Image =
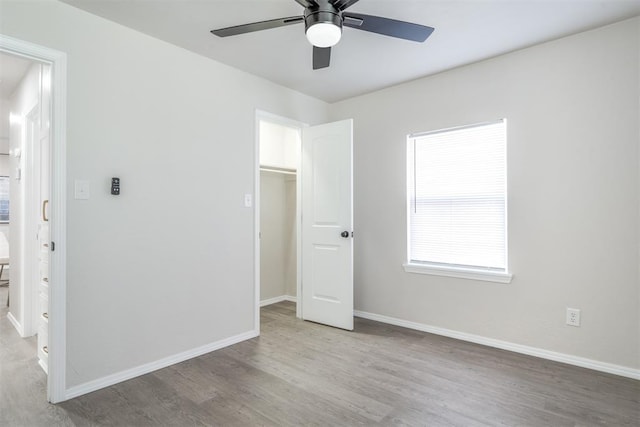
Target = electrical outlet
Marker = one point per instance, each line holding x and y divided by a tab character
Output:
573	317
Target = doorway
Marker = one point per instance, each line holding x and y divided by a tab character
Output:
37	169
278	210
320	158
27	118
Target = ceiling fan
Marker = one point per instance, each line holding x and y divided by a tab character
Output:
323	21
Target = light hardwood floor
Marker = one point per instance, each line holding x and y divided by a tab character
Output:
300	373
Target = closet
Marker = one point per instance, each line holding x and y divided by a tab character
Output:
279	159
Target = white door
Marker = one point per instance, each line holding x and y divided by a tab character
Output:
327	224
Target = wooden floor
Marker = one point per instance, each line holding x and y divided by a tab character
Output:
300	373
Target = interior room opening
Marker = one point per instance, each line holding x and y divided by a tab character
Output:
25	138
279	151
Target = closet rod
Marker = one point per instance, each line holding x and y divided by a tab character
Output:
278	170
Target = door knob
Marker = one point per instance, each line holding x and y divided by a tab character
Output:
345	234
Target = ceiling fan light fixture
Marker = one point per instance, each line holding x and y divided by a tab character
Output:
323	28
324	34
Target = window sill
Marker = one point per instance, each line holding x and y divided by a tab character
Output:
461	273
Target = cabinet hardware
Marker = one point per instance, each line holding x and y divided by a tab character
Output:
44	210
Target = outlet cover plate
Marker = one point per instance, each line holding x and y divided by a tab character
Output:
573	317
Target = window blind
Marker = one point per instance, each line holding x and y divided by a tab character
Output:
457	197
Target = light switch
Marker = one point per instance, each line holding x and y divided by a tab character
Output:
81	190
248	200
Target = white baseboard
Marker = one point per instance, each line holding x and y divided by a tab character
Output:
44	366
505	345
277	300
16	324
128	374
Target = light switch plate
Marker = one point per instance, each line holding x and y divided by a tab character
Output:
82	189
248	200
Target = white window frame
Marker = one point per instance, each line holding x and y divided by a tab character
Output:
463	272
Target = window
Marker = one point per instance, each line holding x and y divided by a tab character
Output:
4	199
457	210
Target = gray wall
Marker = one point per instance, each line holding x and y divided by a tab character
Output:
290	235
573	196
278	230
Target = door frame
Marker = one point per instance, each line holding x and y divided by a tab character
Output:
284	121
56	379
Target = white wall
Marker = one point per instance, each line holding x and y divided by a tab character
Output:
165	267
4	164
572	110
5	110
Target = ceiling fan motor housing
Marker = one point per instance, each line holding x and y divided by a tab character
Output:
325	13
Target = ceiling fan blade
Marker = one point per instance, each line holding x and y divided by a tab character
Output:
257	26
388	27
321	57
342	4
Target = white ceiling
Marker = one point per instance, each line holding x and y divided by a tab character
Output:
466	31
12	69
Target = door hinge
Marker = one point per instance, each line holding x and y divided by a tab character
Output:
53	246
